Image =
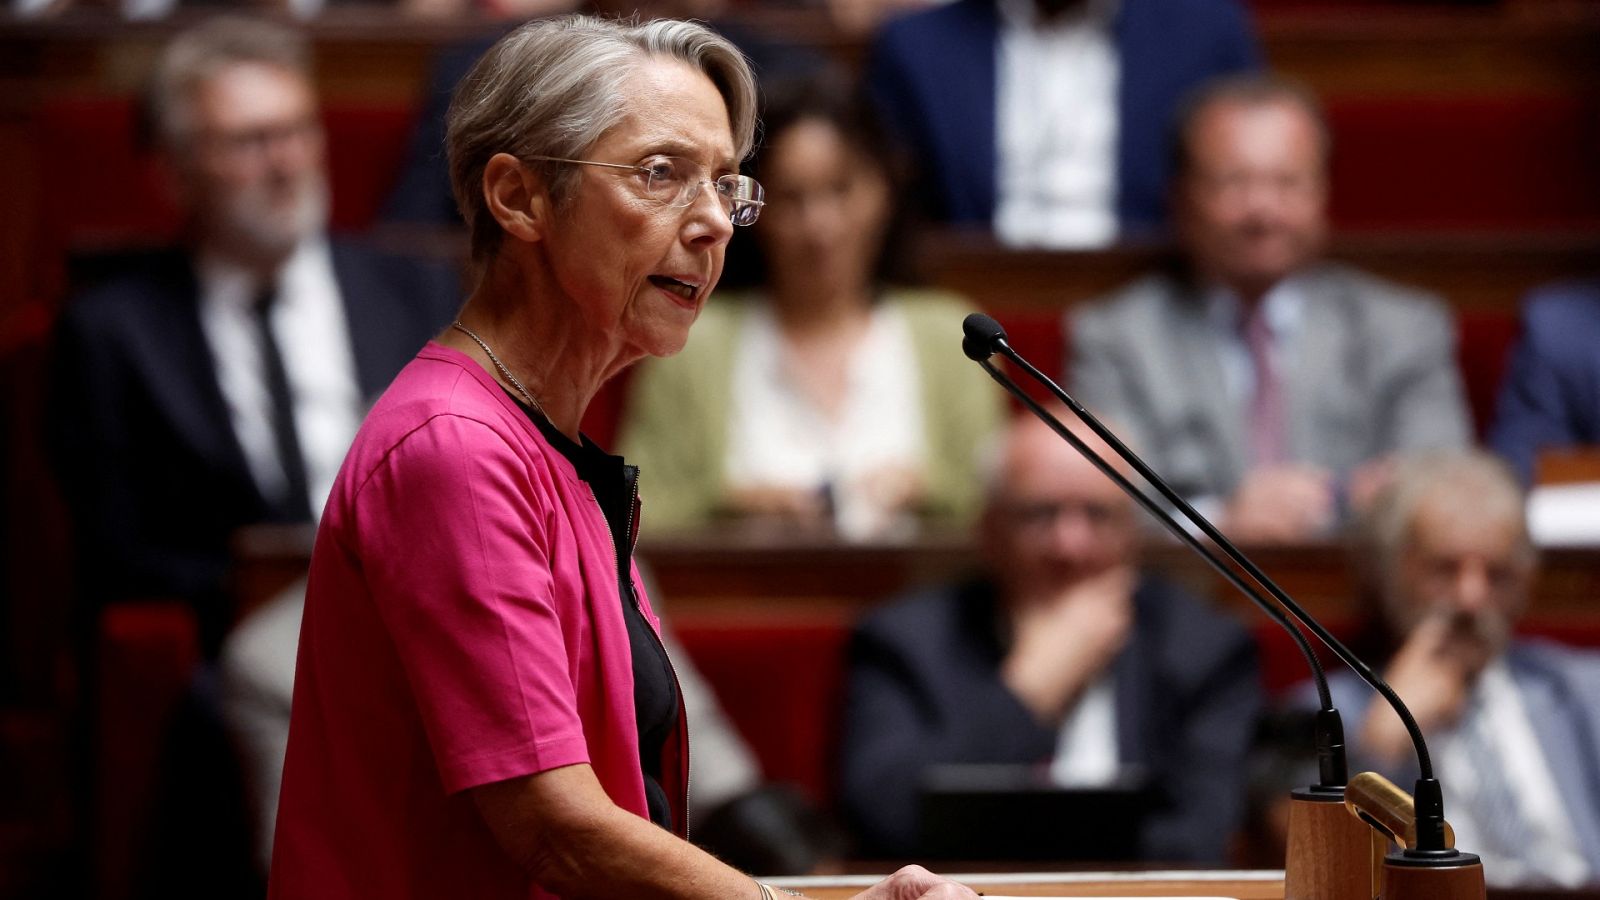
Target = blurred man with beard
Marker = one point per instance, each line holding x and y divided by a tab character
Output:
1513	724
218	385
1270	386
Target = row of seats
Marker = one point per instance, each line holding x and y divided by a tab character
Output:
1412	164
779	678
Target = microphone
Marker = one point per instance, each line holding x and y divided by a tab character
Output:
983	337
1431	844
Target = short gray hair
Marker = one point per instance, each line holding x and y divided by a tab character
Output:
1480	484
205	50
553	87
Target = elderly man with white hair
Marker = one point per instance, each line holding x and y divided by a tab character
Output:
1511	722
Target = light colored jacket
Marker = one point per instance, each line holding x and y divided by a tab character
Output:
676	423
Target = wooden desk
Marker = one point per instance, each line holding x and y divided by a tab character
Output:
746	573
750	573
1471	271
1252	885
1243	885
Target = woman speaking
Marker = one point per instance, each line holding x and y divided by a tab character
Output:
482	706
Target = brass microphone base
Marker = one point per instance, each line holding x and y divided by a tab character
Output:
1328	848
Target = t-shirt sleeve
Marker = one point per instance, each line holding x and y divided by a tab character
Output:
457	545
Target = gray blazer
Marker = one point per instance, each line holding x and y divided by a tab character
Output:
1561	692
1374	372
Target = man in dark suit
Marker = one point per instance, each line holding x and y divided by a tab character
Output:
218	385
1061	654
1551	396
1049	118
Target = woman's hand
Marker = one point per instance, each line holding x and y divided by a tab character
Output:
916	883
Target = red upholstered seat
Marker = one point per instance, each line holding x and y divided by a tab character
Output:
1468	162
366	149
1483	350
147	654
1039	336
781	683
104	190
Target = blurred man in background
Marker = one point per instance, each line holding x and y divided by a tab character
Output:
218	384
1270	386
1047	119
1551	396
1062	654
1513	723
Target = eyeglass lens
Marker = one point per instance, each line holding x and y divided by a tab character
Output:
677	181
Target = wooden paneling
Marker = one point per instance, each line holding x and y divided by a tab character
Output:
1442	51
751	575
1471	271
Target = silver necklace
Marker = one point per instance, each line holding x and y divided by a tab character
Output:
501	366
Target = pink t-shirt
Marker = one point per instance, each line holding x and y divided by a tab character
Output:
462	627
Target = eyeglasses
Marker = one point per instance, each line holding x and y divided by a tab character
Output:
255	142
1039	517
675	182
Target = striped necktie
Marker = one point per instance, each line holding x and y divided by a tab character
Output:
1494	805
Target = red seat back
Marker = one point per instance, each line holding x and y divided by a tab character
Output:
106	190
1039	336
1473	162
1484	338
781	683
147	656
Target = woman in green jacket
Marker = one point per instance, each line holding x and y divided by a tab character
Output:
825	396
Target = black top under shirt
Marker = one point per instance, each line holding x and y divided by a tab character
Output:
655	687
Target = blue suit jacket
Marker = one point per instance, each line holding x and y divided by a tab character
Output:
1561	691
933	76
1551	395
924	688
141	437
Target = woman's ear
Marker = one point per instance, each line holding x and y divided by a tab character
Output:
516	197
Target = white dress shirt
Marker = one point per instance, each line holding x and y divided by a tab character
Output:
1086	746
780	438
313	335
1056	122
1284	308
1549	854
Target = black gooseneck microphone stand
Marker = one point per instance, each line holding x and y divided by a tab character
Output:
1427	844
